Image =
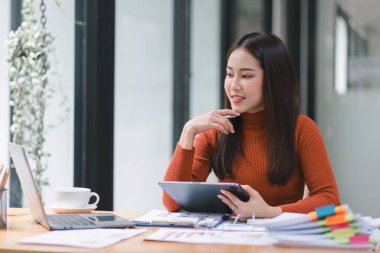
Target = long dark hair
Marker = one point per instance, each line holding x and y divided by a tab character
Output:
281	98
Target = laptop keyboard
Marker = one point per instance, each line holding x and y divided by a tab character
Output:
68	220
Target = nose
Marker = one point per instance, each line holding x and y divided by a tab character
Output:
235	83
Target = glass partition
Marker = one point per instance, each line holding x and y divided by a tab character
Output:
59	114
348	119
5	17
58	119
143	102
205	56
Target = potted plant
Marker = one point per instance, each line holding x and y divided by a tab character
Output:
28	50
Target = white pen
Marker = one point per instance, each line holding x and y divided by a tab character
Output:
229	116
236	219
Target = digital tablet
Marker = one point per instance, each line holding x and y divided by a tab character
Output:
202	196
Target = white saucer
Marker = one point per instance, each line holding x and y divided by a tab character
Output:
62	210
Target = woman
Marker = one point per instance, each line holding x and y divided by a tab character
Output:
260	140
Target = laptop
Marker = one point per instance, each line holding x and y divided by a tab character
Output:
202	196
57	221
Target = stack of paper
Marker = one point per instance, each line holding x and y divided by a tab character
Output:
328	226
161	218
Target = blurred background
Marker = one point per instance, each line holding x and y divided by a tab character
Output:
134	71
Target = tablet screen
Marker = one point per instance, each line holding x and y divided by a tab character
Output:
202	196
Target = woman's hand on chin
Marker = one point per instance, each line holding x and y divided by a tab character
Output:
216	119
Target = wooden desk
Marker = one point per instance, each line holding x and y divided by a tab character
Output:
21	225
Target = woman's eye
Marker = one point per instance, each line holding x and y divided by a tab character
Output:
246	76
229	75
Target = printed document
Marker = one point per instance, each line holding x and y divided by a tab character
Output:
86	238
239	226
210	237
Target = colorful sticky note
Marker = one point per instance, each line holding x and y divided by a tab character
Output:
343	233
329	210
359	239
340	226
324	211
338	219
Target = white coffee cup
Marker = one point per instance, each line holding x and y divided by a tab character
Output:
74	197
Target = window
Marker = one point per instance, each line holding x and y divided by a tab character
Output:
143	101
59	138
341	55
4	81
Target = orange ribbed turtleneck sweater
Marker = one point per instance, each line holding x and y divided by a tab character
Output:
250	166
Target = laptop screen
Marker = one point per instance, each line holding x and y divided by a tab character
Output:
28	185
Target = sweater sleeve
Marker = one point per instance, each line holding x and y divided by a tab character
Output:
190	165
315	165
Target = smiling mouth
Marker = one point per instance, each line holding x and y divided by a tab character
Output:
237	99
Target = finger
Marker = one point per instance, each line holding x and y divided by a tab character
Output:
219	127
251	192
218	123
235	200
224	115
227	201
231	126
227	125
225	112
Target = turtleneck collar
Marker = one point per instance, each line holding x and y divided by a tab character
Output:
256	119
